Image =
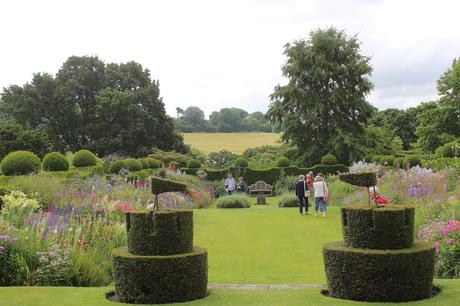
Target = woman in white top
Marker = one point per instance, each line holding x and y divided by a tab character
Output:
320	187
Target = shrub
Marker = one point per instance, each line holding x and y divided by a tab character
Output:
84	158
241	162
234	201
13	267
450	149
193	164
144	162
20	163
153	163
365	179
329	159
160	185
377	159
413	160
117	165
133	164
283	162
388	160
55	161
368	158
288	199
399	161
285	184
221	159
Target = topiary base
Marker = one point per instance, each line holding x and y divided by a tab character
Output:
379	275
160	279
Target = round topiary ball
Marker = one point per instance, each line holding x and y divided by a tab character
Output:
387	160
20	163
193	164
283	162
84	158
153	163
329	159
241	162
133	164
116	166
413	160
55	161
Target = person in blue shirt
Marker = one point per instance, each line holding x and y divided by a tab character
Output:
230	184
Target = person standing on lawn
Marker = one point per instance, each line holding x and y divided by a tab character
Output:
321	194
300	192
230	184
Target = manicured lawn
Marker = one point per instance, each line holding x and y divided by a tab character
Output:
233	142
64	296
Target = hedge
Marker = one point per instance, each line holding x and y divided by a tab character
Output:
20	163
366	179
389	227
133	164
379	275
413	160
329	159
241	162
144	162
283	162
160	279
153	163
399	161
194	164
84	158
160	185
160	233
117	165
388	159
55	161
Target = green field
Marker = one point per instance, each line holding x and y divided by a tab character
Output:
233	142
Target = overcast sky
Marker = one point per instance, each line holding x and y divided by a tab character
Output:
216	54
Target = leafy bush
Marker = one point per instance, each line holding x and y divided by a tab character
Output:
20	163
413	160
368	158
117	165
13	267
221	159
55	161
285	184
170	157
288	199
84	158
193	164
144	162
283	162
329	159
153	163
233	201
133	164
399	161
241	162
387	160
377	159
442	163
450	149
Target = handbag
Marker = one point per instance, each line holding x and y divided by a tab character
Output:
326	196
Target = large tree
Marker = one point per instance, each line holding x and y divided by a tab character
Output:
323	108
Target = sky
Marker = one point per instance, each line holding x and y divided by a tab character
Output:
215	54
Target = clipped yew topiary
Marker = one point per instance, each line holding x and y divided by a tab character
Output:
55	161
153	163
116	166
84	158
160	185
413	160
133	164
20	163
387	160
366	179
144	162
193	164
283	162
241	162
329	159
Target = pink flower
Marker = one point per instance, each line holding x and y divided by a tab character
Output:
437	245
449	240
444	230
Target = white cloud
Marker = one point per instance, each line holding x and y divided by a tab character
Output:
216	54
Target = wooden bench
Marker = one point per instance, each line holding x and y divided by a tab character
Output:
260	187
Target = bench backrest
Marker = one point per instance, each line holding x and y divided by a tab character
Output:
260	185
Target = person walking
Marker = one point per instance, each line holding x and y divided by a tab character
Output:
321	194
230	184
300	192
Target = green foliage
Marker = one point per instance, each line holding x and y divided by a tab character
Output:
379	275
84	158
87	272
399	161
329	56
153	163
387	160
283	162
368	158
145	164
133	164
288	199
266	156
377	159
234	201
20	163
160	279
117	165
170	157
194	164
285	184
221	159
442	163
450	149
329	159
13	266
241	162
55	161
366	179
413	160
160	185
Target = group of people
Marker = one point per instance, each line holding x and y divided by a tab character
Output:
231	186
306	187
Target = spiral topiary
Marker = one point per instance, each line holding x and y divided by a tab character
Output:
283	162
241	162
55	161
193	164
133	164
329	159
84	158
20	163
116	166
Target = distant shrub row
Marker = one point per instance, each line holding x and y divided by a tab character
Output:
132	164
391	161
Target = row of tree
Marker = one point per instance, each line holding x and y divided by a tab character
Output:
227	120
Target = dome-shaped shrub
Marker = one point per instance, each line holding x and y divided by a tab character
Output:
144	162
329	159
368	158
376	159
387	160
193	164
116	166
399	161
133	164
153	163
413	160
283	162
55	161
84	158
20	163
241	162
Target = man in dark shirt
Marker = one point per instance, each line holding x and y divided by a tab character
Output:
300	192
